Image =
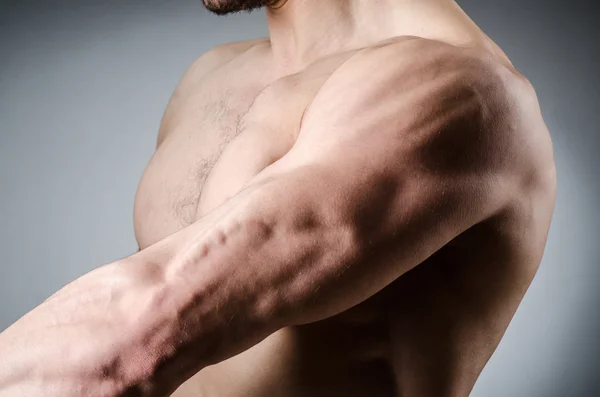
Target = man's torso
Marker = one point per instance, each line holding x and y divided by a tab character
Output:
427	334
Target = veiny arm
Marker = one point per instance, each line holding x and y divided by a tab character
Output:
396	156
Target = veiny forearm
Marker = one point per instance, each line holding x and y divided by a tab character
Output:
275	255
148	322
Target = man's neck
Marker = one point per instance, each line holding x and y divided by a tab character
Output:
302	31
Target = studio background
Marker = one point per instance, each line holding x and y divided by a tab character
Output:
83	85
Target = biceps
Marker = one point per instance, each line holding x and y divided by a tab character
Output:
339	237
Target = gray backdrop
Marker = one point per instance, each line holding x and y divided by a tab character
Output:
82	88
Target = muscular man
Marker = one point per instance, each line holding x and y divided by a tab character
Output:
352	207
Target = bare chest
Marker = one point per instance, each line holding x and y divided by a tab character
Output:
216	139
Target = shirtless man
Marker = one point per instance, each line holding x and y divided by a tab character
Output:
352	207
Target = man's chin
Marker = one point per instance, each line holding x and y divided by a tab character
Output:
224	7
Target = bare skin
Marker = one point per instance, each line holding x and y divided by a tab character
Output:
322	217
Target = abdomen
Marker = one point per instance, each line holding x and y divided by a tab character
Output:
346	355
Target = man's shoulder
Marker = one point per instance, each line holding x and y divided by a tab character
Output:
221	54
489	113
429	75
422	49
198	71
461	108
214	58
225	52
428	59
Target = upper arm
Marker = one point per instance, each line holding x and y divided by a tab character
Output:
407	152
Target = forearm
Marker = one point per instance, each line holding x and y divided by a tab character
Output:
272	256
152	320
